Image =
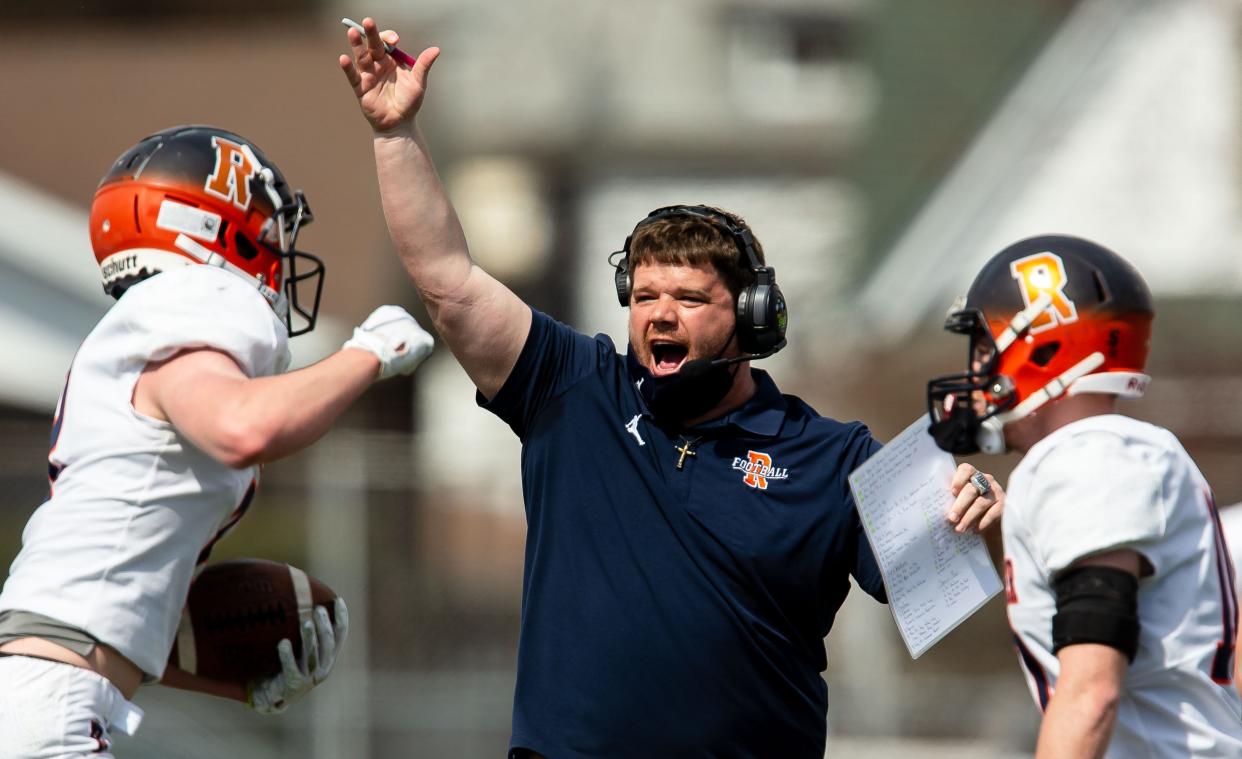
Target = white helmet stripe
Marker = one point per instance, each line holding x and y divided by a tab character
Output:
277	219
1121	384
1021	320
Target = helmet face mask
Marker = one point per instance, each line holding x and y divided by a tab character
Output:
197	194
1046	317
300	267
954	400
281	229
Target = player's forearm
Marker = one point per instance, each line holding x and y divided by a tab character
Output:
283	414
1077	724
421	220
182	680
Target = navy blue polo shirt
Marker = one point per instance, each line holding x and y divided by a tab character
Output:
675	612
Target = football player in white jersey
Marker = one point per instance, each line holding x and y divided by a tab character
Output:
171	405
1119	583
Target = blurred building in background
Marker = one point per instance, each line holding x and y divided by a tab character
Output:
880	149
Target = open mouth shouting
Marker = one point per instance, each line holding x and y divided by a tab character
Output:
667	357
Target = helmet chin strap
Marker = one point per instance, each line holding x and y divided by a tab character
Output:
991	434
205	255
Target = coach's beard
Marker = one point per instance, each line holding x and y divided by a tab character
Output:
674	398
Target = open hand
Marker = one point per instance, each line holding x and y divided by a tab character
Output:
388	93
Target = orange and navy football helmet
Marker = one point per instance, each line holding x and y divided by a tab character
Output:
197	194
1047	316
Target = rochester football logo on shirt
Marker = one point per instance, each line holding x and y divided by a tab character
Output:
758	469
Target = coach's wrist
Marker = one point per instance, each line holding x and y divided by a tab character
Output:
404	131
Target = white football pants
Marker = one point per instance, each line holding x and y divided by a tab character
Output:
50	710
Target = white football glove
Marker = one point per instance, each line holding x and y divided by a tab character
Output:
321	642
395	338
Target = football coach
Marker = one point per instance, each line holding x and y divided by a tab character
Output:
690	529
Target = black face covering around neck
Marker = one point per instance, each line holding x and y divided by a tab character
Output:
674	398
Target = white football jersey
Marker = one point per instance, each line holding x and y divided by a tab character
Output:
1109	482
133	504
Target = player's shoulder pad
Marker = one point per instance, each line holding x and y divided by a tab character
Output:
202	306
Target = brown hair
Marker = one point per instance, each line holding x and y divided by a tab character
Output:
694	241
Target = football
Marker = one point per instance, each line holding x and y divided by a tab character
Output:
236	613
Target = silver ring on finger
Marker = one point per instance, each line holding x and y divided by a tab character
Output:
980	481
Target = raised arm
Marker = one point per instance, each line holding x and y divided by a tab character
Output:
483	323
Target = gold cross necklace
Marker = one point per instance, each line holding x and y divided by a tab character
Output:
685	450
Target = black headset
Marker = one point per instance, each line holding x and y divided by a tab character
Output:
761	313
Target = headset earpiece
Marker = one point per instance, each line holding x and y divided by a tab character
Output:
761	314
621	274
621	278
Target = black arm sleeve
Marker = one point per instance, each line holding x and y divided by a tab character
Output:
1097	605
